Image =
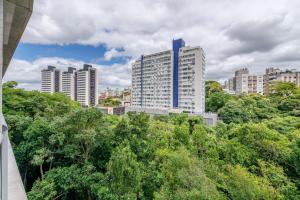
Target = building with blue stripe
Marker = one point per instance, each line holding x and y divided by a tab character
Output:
172	79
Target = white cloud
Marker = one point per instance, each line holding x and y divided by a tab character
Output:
113	53
28	74
233	33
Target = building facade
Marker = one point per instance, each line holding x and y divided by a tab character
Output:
255	84
87	86
229	86
274	74
152	80
191	80
170	79
244	82
113	110
80	85
241	80
210	118
51	80
68	83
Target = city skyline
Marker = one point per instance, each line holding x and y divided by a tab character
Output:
173	135
79	85
255	34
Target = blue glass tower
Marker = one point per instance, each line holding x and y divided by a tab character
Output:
177	44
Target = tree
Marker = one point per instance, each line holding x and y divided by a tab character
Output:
269	144
212	87
179	119
235	112
124	172
74	182
121	132
247	108
81	133
278	180
111	102
240	184
184	177
38	148
283	89
65	152
217	100
235	153
204	143
296	156
10	84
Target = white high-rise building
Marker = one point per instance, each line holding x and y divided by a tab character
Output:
51	80
68	83
152	81
172	79
191	79
81	85
87	86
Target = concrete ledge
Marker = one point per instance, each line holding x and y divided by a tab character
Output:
210	118
16	16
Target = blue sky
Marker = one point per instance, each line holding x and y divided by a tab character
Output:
85	53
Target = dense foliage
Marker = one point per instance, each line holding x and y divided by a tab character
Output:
65	152
110	101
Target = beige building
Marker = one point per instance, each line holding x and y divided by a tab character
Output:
244	82
275	74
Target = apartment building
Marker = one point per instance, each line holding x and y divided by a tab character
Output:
244	82
229	86
191	80
241	80
68	83
170	79
275	74
80	85
152	80
87	86
51	80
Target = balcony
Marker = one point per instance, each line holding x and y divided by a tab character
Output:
14	16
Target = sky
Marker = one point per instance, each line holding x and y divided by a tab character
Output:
111	34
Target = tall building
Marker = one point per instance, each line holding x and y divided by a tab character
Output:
68	83
51	80
229	86
170	79
244	82
81	85
87	86
191	80
241	80
275	74
255	84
